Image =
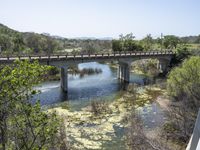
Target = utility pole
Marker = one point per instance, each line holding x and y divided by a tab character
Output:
161	41
0	49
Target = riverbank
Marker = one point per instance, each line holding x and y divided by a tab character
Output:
107	130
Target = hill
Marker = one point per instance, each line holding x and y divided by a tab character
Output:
12	41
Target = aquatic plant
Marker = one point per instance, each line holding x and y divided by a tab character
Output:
89	71
99	107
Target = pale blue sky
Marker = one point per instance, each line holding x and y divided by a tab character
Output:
102	18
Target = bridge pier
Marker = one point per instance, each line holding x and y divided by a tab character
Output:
163	65
64	79
124	72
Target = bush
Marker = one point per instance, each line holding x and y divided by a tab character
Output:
99	107
183	85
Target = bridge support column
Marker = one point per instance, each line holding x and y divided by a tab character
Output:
64	79
163	66
123	72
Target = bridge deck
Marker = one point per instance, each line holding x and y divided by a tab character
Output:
4	59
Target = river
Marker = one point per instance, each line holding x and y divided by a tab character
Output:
81	90
102	86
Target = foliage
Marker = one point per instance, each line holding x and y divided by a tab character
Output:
53	70
186	80
198	39
116	45
147	42
24	125
170	41
126	43
182	53
147	67
99	107
14	42
183	85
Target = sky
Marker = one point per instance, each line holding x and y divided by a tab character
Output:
102	18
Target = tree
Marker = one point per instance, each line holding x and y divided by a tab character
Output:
18	43
116	45
147	42
182	53
171	41
6	43
198	39
37	43
186	80
23	125
183	85
126	43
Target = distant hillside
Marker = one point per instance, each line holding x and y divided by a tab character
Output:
12	41
191	39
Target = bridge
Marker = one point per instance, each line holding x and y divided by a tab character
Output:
124	60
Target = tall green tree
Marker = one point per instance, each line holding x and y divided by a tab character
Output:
116	45
23	125
183	85
126	43
186	80
171	41
147	42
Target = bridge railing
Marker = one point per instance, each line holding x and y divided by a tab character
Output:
69	55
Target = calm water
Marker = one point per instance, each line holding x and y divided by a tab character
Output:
103	86
81	90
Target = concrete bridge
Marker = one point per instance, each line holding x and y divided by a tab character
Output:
124	60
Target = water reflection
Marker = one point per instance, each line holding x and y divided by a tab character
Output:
83	89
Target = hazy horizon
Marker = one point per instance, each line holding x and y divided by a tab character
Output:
99	19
